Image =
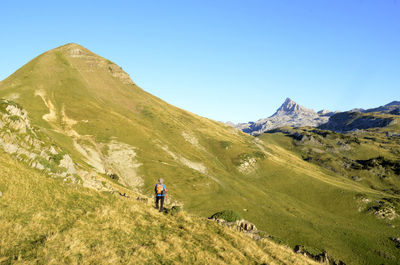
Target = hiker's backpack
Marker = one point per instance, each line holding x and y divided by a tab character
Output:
160	189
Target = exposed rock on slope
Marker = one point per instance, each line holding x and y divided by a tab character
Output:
29	145
19	138
121	159
94	61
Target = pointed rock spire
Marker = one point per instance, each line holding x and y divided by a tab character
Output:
289	107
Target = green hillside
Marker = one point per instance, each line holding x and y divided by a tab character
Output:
370	157
44	221
87	107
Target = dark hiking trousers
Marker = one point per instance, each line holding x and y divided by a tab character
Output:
161	199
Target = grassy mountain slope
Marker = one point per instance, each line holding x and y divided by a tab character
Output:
370	157
43	220
83	92
91	110
338	154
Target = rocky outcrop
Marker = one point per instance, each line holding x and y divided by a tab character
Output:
322	256
385	208
251	230
19	138
120	159
245	227
248	162
28	145
93	60
67	163
248	165
115	159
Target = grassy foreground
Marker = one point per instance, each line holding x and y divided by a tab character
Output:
45	221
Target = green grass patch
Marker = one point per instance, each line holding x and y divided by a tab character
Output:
227	215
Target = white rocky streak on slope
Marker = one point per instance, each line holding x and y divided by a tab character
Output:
121	160
193	165
190	138
67	124
52	150
186	162
18	138
90	180
52	115
91	155
68	163
12	96
85	145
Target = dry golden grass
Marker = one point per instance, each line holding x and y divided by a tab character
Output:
45	221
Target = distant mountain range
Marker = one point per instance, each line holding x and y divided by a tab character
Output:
294	115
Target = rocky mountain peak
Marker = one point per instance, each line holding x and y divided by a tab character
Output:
288	114
289	107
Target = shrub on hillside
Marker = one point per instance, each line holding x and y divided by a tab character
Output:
57	158
227	215
175	210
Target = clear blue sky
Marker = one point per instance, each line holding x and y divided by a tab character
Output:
226	60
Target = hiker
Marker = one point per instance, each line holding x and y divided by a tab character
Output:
160	190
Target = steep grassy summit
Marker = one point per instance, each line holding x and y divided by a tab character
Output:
88	109
75	95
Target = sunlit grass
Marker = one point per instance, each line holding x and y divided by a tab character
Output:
46	221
